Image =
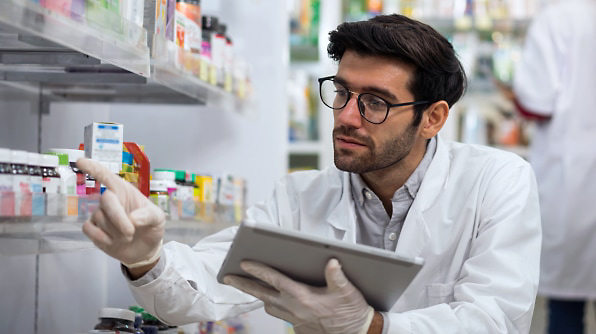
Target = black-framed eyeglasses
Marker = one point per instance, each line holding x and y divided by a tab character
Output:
372	108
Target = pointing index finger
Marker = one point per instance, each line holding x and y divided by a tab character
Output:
100	173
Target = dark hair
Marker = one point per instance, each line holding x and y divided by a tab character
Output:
438	73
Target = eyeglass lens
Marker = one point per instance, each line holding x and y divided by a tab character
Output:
336	96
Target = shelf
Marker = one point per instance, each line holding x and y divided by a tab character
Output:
47	53
304	53
189	232
477	24
167	70
64	234
123	45
187	222
305	147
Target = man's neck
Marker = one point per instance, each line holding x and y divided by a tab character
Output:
385	182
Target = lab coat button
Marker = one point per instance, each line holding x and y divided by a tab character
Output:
392	236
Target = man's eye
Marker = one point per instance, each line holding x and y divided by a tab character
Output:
341	92
373	102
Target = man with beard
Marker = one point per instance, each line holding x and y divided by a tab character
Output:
470	212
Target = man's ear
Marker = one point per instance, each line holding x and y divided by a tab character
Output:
433	119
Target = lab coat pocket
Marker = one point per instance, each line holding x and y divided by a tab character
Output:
440	293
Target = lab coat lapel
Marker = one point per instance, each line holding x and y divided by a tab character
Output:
343	217
415	233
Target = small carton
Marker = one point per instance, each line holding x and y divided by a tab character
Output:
103	141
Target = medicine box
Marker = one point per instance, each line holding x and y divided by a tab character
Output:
103	141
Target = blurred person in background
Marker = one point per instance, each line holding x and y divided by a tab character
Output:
555	85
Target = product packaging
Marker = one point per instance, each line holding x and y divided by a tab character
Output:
167	179
105	14
51	185
114	320
208	26
58	6
159	22
225	197
6	194
206	197
218	49
127	172
159	195
188	207
73	176
77	9
35	184
103	141
239	198
20	183
228	66
90	201
239	80
133	11
68	184
188	34
170	20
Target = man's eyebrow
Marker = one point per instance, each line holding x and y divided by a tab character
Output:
370	89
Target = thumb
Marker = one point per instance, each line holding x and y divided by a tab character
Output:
147	216
334	276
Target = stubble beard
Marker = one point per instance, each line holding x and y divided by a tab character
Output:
389	153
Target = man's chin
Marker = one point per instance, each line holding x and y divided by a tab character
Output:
347	166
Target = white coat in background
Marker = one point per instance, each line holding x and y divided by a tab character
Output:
475	221
557	76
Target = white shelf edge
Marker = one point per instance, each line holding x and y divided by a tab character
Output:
124	47
63	234
467	23
305	147
165	70
109	46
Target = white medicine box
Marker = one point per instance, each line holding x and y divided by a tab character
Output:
103	141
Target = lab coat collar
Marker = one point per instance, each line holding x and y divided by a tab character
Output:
415	233
436	177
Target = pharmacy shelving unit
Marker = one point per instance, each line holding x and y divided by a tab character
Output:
467	24
42	235
61	58
63	234
478	40
305	147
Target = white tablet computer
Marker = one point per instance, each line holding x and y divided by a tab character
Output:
380	275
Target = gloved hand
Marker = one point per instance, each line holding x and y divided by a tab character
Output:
337	308
126	226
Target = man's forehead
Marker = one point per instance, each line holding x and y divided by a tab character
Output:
362	73
350	56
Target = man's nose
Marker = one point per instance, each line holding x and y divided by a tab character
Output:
350	115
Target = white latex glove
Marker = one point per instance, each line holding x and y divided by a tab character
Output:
126	226
337	308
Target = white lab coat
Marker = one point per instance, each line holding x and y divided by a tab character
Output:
557	76
475	221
